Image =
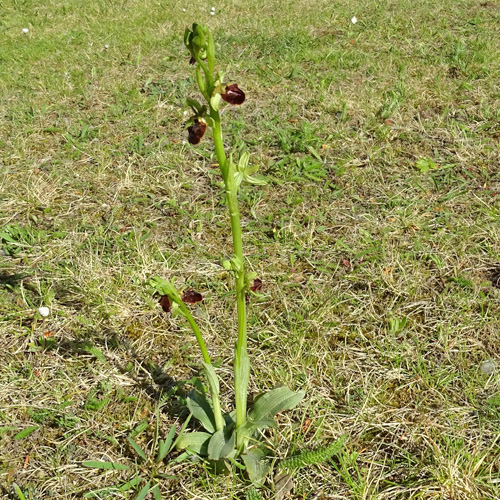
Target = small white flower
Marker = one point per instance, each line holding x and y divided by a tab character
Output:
212	9
212	13
183	10
106	46
354	20
44	311
26	30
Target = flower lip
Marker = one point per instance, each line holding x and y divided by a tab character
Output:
196	131
165	303
233	94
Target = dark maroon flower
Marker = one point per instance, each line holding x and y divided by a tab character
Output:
191	297
192	60
233	95
165	303
196	131
257	285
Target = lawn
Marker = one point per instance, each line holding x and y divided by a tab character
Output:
377	239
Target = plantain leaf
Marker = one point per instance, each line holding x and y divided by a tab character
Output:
256	464
201	409
196	442
250	426
221	445
269	404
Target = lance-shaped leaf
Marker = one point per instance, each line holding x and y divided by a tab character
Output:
165	445
269	404
202	410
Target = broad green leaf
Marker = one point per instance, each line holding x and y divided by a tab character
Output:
96	464
144	491
221	445
165	445
256	464
269	404
26	432
137	448
196	442
249	427
201	409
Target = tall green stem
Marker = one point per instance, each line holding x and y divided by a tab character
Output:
241	363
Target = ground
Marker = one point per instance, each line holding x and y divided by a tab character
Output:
377	240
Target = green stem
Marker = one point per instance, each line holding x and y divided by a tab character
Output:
219	419
241	364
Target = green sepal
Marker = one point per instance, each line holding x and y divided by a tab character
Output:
215	101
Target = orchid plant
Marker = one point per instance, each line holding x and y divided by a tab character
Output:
234	438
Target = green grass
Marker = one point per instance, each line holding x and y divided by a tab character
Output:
381	292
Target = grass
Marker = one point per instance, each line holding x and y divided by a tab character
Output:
381	292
